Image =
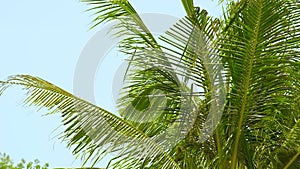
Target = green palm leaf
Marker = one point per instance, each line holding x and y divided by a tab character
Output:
90	129
256	48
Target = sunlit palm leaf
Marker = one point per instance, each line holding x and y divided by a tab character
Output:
90	130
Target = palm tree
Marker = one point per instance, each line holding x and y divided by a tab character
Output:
244	65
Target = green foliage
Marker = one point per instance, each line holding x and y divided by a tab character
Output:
7	163
249	57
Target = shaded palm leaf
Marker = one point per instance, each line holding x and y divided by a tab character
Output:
256	48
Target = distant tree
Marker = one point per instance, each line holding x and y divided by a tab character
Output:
7	163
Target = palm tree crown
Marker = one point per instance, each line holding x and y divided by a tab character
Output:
245	113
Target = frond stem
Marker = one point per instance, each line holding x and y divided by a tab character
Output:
246	89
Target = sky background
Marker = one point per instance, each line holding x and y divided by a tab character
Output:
45	39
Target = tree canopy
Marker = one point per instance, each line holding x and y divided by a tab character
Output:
245	114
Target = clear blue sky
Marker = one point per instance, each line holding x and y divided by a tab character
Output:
45	39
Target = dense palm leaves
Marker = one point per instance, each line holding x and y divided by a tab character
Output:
246	65
260	49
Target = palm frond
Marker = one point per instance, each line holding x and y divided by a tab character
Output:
130	28
92	131
256	47
130	24
288	155
194	61
190	8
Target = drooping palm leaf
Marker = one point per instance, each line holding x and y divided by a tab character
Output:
90	130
